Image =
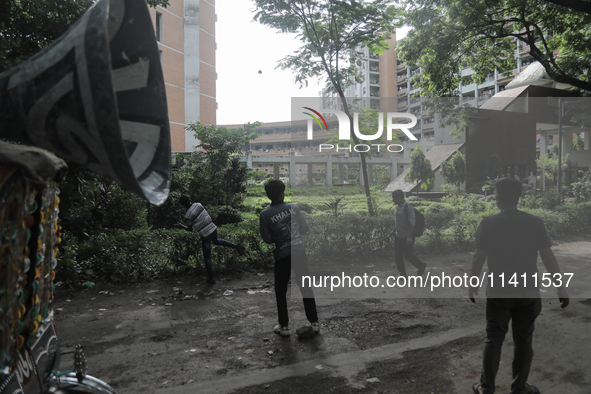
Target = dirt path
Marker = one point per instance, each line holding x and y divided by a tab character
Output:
177	336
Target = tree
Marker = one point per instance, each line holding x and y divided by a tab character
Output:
420	170
332	33
549	165
447	35
211	177
27	26
234	181
454	170
578	143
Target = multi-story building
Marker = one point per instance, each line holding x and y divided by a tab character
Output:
427	130
387	87
185	32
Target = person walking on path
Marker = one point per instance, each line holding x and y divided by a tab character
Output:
404	239
510	242
197	218
283	224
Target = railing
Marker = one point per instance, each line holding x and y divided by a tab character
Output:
296	134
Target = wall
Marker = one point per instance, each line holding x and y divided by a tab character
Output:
510	135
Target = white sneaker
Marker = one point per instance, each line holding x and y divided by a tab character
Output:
316	327
282	330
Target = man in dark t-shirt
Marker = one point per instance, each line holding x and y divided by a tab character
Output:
283	224
510	242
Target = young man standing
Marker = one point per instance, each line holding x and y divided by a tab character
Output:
197	218
404	240
283	224
511	240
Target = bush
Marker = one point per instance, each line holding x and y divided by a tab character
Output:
123	255
530	200
549	200
304	207
258	208
437	219
125	210
67	268
224	215
169	213
348	234
582	189
577	217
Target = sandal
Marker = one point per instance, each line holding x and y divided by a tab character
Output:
476	388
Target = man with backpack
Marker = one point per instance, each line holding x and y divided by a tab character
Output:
406	232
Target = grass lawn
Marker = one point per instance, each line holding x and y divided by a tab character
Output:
353	198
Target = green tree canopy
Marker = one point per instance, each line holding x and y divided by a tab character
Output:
27	26
214	173
447	35
332	33
454	170
420	170
549	165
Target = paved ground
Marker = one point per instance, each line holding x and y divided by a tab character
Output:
183	336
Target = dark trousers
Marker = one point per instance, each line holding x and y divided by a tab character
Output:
403	251
523	313
282	274
206	243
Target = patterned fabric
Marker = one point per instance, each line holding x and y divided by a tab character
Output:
29	235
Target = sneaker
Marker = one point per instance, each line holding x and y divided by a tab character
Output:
316	327
241	250
211	281
282	330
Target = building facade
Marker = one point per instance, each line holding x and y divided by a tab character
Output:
185	32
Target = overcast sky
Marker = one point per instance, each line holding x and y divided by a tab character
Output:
243	48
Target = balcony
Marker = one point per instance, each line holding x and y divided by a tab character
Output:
297	135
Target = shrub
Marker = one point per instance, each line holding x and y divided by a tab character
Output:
169	213
258	208
437	219
582	189
305	207
224	215
125	210
123	255
577	217
67	268
348	234
549	200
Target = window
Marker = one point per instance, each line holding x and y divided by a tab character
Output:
158	27
161	58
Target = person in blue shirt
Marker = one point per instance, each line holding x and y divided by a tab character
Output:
283	224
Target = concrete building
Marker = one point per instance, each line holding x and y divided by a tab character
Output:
185	32
527	73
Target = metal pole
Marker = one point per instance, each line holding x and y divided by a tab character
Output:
560	113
